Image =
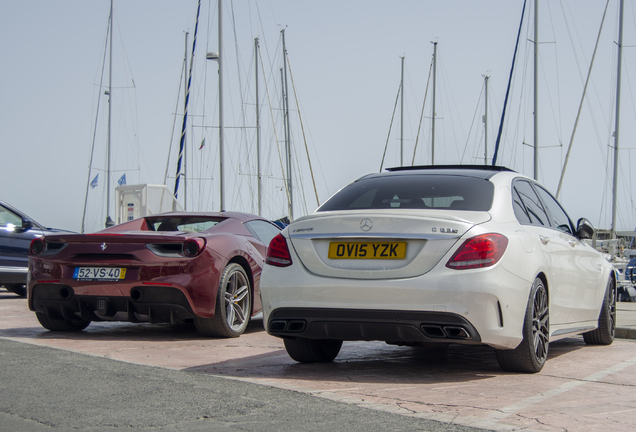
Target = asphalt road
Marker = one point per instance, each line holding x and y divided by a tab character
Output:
46	389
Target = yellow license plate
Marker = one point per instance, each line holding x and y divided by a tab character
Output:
367	250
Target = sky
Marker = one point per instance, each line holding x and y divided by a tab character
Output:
344	72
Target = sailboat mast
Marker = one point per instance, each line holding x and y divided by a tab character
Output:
536	89
287	134
258	129
109	221
486	119
433	113
184	173
617	120
221	131
402	115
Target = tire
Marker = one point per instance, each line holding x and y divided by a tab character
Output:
19	289
54	324
532	352
233	305
305	350
604	334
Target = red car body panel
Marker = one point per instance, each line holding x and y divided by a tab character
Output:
169	288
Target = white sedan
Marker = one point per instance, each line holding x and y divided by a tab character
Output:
439	254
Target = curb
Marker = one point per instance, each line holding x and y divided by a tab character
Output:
625	333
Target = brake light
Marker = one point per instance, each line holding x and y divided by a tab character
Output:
278	253
193	247
477	252
38	245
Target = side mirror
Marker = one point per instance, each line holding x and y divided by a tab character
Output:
585	229
26	225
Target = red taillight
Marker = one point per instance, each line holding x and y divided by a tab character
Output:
193	247
37	246
278	253
477	252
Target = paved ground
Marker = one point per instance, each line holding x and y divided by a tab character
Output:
581	388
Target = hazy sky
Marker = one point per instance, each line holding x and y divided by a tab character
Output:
345	64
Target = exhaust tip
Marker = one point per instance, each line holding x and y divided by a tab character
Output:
296	326
433	331
136	294
66	293
456	332
277	326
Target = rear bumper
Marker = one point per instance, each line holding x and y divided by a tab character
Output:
144	304
393	326
488	304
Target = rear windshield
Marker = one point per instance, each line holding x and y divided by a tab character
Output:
415	191
184	224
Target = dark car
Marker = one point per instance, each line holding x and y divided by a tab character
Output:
174	267
17	230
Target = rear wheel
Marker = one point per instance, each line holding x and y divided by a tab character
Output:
305	350
54	324
604	334
532	352
19	289
233	305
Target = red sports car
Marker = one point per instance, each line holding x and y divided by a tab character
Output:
171	267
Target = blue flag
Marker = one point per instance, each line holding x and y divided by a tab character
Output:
94	182
122	180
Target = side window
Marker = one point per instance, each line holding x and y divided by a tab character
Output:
531	204
8	217
560	219
520	211
262	230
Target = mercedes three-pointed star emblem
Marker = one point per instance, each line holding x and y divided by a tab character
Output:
366	224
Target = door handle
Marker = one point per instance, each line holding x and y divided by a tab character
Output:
544	240
572	243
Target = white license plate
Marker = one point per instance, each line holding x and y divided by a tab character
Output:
99	273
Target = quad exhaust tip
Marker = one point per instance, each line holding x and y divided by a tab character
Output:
287	326
445	332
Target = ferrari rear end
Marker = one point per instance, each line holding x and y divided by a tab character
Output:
157	277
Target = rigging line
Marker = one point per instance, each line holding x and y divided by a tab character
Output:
397	98
473	122
271	111
519	126
627	195
133	118
203	161
578	115
185	112
298	171
242	108
554	117
419	127
494	158
559	124
99	93
302	128
449	90
594	123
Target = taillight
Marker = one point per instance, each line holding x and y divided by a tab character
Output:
193	247
278	253
477	252
38	246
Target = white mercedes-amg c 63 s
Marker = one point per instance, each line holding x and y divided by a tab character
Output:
438	254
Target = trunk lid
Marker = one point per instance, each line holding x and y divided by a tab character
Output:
381	244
